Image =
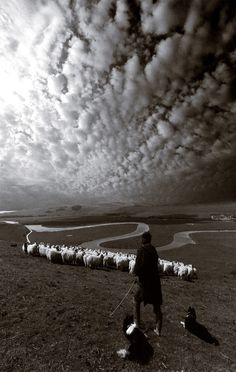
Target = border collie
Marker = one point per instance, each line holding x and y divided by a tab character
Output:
190	319
139	349
199	330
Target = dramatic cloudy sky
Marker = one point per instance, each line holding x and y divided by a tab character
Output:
129	100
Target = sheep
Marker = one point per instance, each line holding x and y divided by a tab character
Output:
176	267
85	256
43	249
192	273
160	266
183	272
89	252
68	256
54	256
94	261
24	247
168	268
33	249
97	258
109	260
131	266
77	249
122	262
79	258
57	248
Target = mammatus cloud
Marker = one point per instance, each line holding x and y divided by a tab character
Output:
124	100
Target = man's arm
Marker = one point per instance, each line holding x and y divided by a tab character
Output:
139	262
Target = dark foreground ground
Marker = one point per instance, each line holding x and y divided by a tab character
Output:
56	318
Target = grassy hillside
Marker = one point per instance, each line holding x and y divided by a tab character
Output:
56	317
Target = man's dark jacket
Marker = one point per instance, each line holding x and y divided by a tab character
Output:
146	268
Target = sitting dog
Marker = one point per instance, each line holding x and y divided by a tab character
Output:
139	349
190	319
199	330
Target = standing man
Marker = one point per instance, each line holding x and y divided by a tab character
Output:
148	285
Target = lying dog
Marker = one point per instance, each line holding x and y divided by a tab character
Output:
139	349
199	330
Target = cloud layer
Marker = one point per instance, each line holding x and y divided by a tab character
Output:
117	100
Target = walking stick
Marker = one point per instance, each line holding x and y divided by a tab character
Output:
113	312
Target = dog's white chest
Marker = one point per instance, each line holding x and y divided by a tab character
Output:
131	329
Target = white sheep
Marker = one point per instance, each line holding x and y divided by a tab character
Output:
192	273
79	258
85	256
168	268
176	267
56	247
160	266
77	248
33	249
97	258
131	266
24	247
54	256
68	256
94	261
43	249
122	262
109	260
183	272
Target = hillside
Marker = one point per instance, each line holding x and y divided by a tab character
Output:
56	317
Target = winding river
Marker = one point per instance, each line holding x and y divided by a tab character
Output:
140	229
179	240
182	238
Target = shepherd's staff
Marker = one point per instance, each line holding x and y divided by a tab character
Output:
113	312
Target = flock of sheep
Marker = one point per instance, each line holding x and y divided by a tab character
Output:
95	259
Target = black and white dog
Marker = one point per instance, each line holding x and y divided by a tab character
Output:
190	319
199	330
139	349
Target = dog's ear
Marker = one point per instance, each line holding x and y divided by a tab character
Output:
194	313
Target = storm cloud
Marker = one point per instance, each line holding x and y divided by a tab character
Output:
117	100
